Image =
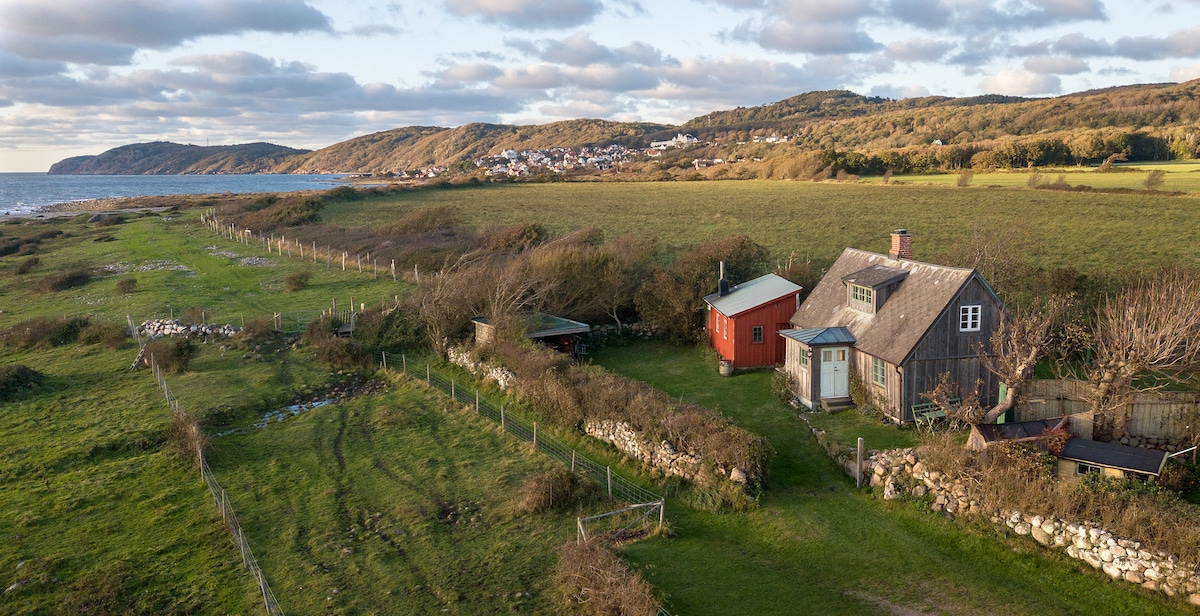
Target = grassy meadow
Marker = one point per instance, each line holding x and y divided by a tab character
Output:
1181	176
817	545
1089	231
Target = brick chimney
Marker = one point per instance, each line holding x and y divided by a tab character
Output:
901	245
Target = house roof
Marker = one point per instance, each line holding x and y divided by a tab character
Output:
1023	430
875	276
1114	455
820	335
751	294
892	332
538	325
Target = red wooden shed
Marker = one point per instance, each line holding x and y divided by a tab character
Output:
744	321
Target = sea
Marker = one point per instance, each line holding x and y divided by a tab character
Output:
24	194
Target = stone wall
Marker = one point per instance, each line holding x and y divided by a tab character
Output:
466	359
662	456
900	471
158	328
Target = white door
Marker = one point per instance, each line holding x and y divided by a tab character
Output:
835	372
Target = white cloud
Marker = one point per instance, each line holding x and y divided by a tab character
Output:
1020	83
1055	65
50	29
528	14
918	50
1185	73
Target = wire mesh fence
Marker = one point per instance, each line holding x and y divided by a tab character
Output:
614	486
222	501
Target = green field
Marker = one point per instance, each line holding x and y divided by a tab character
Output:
819	546
1092	232
1180	176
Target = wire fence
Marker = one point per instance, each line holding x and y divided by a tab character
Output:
612	485
222	501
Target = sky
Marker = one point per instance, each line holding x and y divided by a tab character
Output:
82	76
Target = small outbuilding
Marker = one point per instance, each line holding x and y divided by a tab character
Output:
561	334
744	321
1080	457
986	435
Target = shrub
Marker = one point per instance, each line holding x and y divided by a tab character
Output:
592	576
111	335
333	351
27	265
255	331
109	220
965	176
425	221
343	193
393	331
297	281
171	354
197	315
16	380
42	332
556	489
125	286
63	281
27	249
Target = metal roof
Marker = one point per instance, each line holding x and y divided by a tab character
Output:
1114	455
820	335
909	312
751	294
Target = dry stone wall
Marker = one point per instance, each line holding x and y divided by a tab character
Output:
900	471
158	328
662	456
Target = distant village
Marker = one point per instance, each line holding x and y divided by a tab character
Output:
514	163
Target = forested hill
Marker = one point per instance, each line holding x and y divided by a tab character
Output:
844	120
1143	121
421	146
165	158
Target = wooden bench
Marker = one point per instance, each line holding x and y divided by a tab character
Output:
926	413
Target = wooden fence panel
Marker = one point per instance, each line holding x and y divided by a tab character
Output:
1155	414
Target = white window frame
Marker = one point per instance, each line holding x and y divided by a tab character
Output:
970	318
1082	468
862	295
726	330
804	357
878	372
757	334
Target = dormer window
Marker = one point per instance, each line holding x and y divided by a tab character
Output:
862	297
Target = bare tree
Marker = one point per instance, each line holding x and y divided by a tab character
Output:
1017	345
1151	327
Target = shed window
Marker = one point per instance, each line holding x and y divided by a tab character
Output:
968	318
1083	469
726	331
878	372
862	295
756	334
804	357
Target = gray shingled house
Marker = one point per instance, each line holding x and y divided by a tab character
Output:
901	323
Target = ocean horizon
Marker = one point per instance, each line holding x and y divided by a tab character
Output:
25	194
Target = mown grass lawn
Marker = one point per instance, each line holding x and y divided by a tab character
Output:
816	545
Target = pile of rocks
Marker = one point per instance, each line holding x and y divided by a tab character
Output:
1160	443
157	328
662	456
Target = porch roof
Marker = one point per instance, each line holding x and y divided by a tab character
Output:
820	335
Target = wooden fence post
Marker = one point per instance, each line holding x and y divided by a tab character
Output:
535	435
427	380
572	460
502	417
858	469
404	363
384	360
608	472
476	400
393	270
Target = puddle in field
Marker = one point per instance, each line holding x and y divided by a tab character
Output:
277	416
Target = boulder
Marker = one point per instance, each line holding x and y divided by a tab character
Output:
1112	570
889	490
739	476
1041	536
1022	528
1134	577
1091	558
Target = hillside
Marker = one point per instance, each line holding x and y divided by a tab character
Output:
823	120
165	158
419	146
